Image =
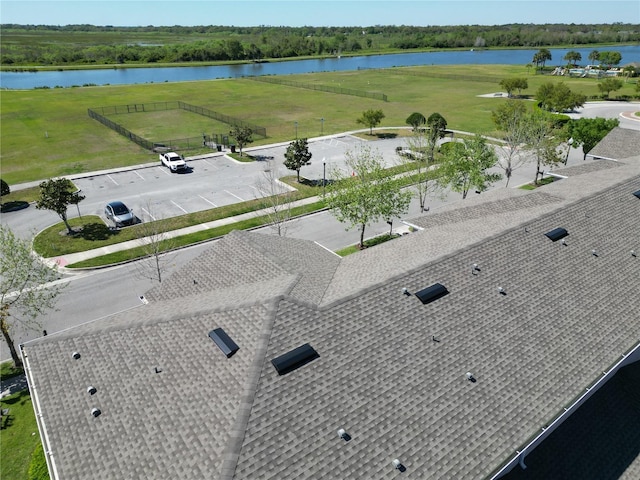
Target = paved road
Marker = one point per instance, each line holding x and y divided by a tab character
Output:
92	295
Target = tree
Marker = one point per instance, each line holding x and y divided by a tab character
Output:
365	193
572	57
276	198
297	155
509	118
541	57
594	56
543	140
26	288
610	58
557	97
425	183
437	126
629	71
56	195
242	135
4	188
371	118
516	83
609	85
416	120
465	166
587	132
155	241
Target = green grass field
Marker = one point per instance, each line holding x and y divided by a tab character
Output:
19	439
47	132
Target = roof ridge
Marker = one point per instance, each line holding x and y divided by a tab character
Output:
564	204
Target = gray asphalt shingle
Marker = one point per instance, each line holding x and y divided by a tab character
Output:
567	315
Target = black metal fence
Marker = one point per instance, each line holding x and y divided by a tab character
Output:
321	88
143	142
257	130
100	114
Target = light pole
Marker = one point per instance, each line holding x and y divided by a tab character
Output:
569	143
324	175
321	126
296	124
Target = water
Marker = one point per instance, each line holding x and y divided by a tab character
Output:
124	76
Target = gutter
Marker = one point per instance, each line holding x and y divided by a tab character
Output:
632	356
42	429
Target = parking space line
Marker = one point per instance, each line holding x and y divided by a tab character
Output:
164	171
148	214
208	163
139	175
208	201
110	178
233	195
179	206
260	191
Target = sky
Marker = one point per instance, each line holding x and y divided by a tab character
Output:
296	13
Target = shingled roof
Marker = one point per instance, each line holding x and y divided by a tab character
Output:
620	144
391	370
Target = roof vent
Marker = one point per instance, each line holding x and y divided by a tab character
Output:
470	377
475	269
502	291
432	293
556	234
594	252
224	342
294	359
397	464
637	193
95	412
633	253
91	390
75	355
406	292
344	435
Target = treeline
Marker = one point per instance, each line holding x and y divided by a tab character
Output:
24	45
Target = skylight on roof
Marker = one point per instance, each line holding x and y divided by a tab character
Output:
224	342
432	293
556	234
294	359
637	193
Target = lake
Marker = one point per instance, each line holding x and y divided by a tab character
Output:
123	76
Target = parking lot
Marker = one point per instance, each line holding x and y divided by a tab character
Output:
153	192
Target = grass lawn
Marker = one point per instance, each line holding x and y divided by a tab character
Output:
18	441
372	242
8	370
47	132
533	186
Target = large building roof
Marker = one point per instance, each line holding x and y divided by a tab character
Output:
390	370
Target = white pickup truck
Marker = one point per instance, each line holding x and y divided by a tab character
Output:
173	162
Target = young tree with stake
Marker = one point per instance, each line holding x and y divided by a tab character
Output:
297	155
56	195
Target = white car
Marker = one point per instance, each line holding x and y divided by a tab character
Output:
173	162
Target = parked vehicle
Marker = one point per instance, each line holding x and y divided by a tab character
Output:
173	161
119	214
